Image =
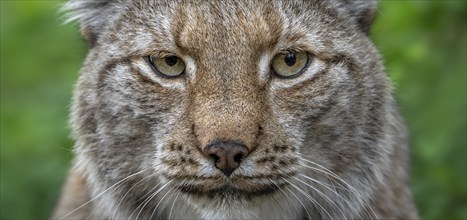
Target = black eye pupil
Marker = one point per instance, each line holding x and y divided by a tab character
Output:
172	60
290	59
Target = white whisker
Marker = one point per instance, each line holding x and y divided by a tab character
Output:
102	193
309	197
351	189
173	203
149	199
128	191
158	203
322	194
306	210
337	194
282	191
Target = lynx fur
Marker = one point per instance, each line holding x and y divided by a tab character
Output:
326	144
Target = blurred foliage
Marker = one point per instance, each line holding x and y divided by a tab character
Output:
424	48
423	44
40	60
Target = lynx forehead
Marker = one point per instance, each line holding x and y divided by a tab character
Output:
234	110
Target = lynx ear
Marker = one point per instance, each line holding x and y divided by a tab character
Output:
93	15
361	11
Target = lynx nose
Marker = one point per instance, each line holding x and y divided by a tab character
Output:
227	155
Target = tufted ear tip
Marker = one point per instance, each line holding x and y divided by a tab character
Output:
365	15
89	35
361	12
93	16
364	12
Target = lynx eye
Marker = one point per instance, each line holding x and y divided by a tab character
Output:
170	66
290	64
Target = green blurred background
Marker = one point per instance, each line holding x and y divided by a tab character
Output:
424	48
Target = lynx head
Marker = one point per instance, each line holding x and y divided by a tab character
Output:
231	109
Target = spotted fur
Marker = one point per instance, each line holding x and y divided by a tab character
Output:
328	144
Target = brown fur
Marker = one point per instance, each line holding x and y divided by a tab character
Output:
326	144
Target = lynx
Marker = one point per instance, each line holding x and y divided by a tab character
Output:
234	110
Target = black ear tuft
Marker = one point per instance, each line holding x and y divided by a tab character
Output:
93	15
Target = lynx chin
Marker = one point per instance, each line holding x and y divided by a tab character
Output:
234	110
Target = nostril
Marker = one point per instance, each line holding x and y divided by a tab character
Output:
214	157
226	155
238	157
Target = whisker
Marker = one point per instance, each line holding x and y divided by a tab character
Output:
337	194
329	185
146	196
121	200
144	203
306	210
113	190
158	203
322	194
326	171
329	175
282	191
309	197
102	193
176	197
342	187
352	190
149	199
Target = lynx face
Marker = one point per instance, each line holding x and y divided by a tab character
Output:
238	109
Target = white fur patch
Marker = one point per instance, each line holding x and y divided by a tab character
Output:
264	67
190	67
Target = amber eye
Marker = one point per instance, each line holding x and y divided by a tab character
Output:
170	66
290	64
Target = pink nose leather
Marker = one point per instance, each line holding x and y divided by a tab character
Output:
227	155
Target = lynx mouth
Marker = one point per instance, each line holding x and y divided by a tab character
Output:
230	191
